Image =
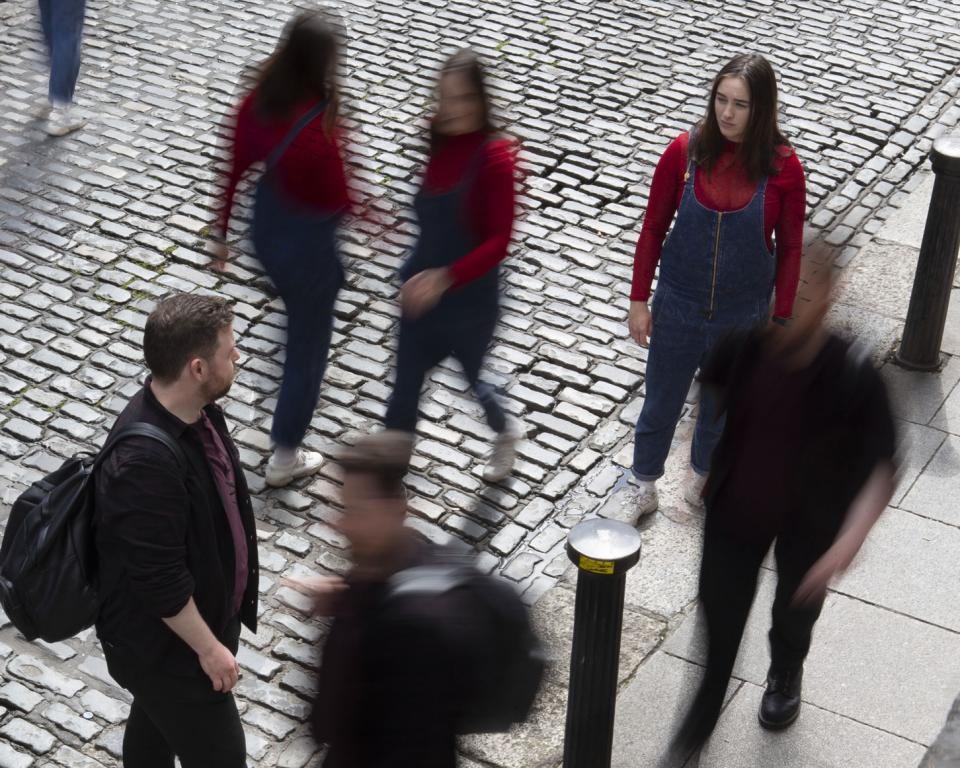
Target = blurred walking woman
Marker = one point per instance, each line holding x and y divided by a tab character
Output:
449	297
738	192
289	122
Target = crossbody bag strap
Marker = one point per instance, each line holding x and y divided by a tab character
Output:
292	134
474	166
691	141
143	429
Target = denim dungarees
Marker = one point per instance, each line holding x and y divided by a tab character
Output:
716	275
298	249
462	323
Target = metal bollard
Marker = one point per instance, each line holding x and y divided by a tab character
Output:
603	551
927	315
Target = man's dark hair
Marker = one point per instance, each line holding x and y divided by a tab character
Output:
181	327
383	457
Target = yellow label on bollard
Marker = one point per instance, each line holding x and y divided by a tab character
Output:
596	566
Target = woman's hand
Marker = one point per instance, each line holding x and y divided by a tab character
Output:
421	292
322	589
219	254
640	323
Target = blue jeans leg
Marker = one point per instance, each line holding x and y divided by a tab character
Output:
675	353
419	349
470	350
707	432
62	23
309	328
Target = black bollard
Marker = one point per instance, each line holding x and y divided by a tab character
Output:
603	551
927	315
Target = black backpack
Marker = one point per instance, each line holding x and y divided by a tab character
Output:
48	584
501	664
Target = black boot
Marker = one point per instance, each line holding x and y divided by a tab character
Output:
781	703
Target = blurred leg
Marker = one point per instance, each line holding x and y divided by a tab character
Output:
65	23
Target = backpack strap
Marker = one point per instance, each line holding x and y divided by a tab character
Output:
474	167
143	429
426	580
292	134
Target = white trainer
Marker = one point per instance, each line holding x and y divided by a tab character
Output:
306	463
63	119
693	489
501	460
641	497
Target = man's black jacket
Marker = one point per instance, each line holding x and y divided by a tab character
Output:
163	537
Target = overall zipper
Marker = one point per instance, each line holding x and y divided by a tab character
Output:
716	260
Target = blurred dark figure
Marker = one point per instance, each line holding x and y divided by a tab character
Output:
62	24
423	646
289	121
807	460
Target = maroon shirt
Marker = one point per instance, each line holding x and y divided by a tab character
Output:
222	469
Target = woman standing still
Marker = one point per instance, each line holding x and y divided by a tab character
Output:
737	188
450	294
289	121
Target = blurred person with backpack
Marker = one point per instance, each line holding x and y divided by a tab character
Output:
450	293
423	646
806	465
289	122
177	547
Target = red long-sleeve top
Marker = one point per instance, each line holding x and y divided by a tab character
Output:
490	201
310	170
726	188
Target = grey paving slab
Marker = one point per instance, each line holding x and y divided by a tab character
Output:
917	446
665	581
866	662
951	331
909	564
916	396
906	225
936	492
880	668
650	708
538	743
878	331
819	739
948	417
880	279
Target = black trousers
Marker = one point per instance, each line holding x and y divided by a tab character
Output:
728	584
182	717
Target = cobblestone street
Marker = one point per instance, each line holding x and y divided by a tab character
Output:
94	226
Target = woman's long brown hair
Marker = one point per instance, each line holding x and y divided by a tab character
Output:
303	67
758	150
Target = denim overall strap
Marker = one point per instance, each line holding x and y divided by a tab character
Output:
292	134
717	263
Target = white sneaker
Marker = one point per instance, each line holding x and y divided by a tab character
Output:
63	120
500	463
693	489
42	110
640	497
306	463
